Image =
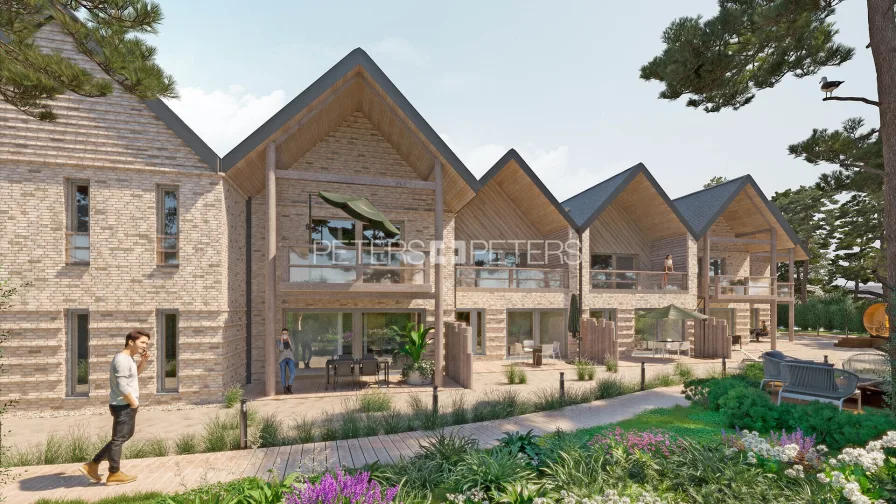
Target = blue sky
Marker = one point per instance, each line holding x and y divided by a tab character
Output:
558	82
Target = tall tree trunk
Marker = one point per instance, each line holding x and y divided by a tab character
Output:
804	286
882	33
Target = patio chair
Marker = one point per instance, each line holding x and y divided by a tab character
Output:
547	350
870	366
342	368
370	367
684	346
771	366
516	350
345	357
555	350
528	345
815	382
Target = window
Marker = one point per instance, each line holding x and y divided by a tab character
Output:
476	320
169	366
77	237
79	353
608	262
625	264
716	267
499	258
169	227
336	232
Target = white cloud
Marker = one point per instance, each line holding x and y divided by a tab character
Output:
223	118
400	49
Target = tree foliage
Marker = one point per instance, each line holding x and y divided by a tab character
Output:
105	31
806	208
714	181
749	45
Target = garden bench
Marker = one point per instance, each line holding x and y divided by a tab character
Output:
771	366
818	382
871	367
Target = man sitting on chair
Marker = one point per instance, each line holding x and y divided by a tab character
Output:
763	329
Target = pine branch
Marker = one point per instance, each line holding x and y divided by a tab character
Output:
870	293
882	279
864	168
852	98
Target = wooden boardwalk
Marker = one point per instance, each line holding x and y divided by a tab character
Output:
179	473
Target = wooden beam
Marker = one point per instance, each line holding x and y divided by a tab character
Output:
768	254
792	306
740	240
440	329
753	233
315	110
773	273
270	281
355	180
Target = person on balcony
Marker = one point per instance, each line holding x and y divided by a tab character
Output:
667	268
287	361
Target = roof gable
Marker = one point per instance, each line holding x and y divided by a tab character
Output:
512	158
587	206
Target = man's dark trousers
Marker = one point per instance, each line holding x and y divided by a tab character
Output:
124	420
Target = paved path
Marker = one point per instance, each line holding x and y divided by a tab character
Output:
178	473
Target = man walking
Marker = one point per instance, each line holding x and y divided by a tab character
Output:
124	399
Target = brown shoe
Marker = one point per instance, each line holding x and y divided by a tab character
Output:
119	478
92	471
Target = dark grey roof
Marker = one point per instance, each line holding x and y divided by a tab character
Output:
703	208
164	113
513	155
587	206
325	82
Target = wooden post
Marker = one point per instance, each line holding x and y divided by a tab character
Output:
270	280
773	273
792	306
440	329
706	273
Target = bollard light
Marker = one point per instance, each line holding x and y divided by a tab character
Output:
244	424
724	367
435	400
643	376
562	386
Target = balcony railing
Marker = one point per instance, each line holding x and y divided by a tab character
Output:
377	269
654	281
785	289
77	248
485	277
722	286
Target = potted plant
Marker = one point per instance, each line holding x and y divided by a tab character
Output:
739	287
414	338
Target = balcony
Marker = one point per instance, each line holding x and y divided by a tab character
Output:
339	269
643	281
735	287
469	278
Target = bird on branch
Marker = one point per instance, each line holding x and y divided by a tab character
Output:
828	87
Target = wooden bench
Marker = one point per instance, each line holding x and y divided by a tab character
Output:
817	382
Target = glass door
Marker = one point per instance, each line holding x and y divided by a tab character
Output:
476	320
318	336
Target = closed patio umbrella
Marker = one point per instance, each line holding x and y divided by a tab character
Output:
360	209
574	324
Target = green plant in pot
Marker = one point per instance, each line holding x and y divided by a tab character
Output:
414	340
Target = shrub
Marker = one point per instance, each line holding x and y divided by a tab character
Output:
526	444
187	443
611	386
708	391
269	431
585	370
393	422
488	470
350	427
547	398
611	363
661	380
653	441
749	408
683	371
233	395
220	434
515	374
302	430
833	428
460	414
753	371
374	401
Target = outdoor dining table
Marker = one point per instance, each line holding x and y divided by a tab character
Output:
356	369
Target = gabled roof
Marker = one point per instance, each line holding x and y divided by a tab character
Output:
704	207
505	161
587	206
323	84
163	112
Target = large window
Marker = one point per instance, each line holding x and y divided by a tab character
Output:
476	320
377	238
317	337
716	267
79	353
336	232
169	364
541	327
658	330
378	336
622	264
499	258
77	240
168	244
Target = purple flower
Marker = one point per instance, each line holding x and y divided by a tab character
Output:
343	489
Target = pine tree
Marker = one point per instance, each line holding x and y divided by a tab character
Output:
805	208
106	32
714	181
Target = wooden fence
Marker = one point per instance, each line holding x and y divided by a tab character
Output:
599	340
711	339
459	353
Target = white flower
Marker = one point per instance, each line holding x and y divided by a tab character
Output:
822	478
852	492
837	479
821	448
795	472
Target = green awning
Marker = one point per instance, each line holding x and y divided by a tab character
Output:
360	209
672	312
